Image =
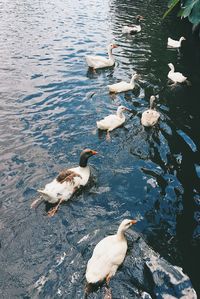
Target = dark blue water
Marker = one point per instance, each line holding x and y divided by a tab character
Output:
49	106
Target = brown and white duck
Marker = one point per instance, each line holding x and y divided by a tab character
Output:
67	182
133	29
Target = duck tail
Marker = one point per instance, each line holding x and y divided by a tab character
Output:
42	192
36	202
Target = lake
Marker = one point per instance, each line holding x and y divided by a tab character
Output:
50	103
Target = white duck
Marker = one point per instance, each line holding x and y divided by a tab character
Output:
171	43
67	182
97	62
176	77
108	255
123	86
110	122
133	28
150	117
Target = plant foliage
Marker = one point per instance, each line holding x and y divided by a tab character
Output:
189	8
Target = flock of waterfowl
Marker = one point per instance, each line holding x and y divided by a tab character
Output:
110	252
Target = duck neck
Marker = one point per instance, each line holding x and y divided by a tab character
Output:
132	81
120	113
110	55
152	103
120	234
83	161
172	69
138	21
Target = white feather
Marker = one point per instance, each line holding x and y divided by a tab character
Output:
112	121
108	254
171	43
123	86
55	190
176	77
131	29
97	62
150	117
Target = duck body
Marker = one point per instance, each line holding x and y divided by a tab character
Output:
97	62
106	258
123	86
171	43
67	182
150	117
108	255
113	121
131	29
176	77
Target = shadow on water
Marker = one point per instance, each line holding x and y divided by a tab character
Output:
50	103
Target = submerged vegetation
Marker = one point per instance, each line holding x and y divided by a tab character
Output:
188	9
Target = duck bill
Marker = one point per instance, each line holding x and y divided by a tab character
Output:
141	18
138	76
94	152
115	46
133	221
127	109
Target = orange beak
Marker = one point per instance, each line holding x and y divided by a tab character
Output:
133	221
115	46
129	110
94	152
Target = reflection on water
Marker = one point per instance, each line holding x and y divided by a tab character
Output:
49	106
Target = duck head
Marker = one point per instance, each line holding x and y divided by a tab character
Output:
139	18
112	46
125	224
182	38
85	155
134	77
152	101
122	109
170	65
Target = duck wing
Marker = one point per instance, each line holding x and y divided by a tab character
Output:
110	122
97	61
108	254
67	175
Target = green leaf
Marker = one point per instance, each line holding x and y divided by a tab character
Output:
187	7
172	5
194	17
180	12
186	11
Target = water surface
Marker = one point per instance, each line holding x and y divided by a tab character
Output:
49	106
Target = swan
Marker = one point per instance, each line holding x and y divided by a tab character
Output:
133	28
171	43
97	62
176	77
123	86
150	117
112	121
66	183
108	255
